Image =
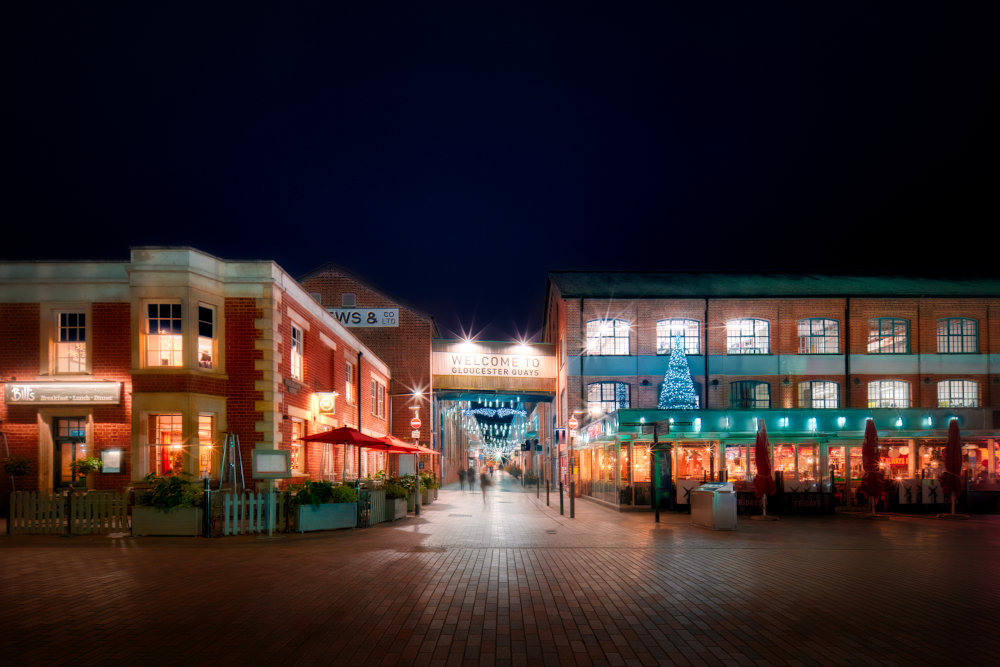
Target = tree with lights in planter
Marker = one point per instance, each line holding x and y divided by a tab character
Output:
678	390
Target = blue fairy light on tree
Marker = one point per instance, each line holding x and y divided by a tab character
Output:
678	389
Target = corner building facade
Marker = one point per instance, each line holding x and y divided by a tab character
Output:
148	364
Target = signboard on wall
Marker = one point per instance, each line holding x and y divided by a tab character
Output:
366	317
62	393
493	365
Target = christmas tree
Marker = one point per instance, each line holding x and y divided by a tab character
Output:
678	390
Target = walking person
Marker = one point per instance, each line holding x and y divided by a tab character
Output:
461	477
472	478
484	482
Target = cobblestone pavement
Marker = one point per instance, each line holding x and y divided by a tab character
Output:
512	583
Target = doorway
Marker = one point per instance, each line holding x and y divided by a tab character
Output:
70	444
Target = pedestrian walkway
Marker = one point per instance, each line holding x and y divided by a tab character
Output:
512	583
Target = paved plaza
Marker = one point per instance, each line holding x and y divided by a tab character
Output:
512	583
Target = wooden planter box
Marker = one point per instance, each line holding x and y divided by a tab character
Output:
425	497
395	508
411	505
329	516
435	494
185	521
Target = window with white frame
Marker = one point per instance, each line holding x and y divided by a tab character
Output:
378	399
749	394
748	336
164	335
819	336
958	394
607	337
888	394
668	330
297	447
206	336
206	430
296	353
71	345
957	335
166	451
888	335
605	397
819	394
349	384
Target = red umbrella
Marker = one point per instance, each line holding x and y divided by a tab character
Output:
396	446
951	478
764	481
872	482
345	436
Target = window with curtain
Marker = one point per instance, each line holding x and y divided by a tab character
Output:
958	394
667	331
749	394
957	335
888	394
607	337
748	336
819	336
888	335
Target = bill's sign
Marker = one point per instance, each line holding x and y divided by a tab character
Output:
62	393
366	317
493	365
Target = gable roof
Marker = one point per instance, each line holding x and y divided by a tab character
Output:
763	284
330	266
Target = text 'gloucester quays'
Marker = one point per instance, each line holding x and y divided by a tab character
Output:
475	364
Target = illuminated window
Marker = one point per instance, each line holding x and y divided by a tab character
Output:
605	397
748	336
667	331
888	335
206	336
296	354
819	394
958	394
296	447
206	432
349	388
167	451
888	394
957	335
607	337
71	348
164	342
378	399
749	394
819	336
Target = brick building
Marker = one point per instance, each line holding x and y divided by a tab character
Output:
149	363
794	343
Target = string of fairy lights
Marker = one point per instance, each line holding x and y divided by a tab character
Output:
498	426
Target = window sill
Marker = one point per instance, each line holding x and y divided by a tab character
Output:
179	370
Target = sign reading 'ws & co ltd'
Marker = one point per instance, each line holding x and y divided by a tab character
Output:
62	393
366	317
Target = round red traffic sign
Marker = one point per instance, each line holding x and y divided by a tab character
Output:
573	423
415	422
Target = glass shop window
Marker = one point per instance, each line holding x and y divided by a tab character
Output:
164	339
206	336
895	458
694	461
206	431
71	348
836	462
808	463
784	460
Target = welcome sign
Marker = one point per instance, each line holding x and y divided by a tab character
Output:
493	365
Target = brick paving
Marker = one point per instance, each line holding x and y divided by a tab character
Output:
493	586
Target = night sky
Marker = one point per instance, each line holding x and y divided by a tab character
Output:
453	153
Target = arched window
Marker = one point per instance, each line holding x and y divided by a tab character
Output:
819	336
748	336
607	337
957	335
888	394
888	335
749	394
605	397
819	394
667	330
958	394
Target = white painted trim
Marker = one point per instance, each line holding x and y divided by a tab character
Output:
329	342
302	322
299	413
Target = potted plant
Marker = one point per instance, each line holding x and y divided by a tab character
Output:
16	466
395	501
84	469
172	506
427	486
408	482
323	506
531	479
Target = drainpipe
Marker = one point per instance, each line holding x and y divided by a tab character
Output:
583	380
847	356
705	402
360	354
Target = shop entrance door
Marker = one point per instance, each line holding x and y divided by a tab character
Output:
70	436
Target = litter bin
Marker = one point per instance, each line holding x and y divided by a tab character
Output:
713	505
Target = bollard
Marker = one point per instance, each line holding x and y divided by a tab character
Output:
207	511
572	499
561	512
416	501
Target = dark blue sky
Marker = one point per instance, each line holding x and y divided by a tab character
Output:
452	153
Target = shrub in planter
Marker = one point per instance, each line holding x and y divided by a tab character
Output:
171	507
84	467
530	479
395	501
323	506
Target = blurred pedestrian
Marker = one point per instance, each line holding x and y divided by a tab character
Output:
472	478
484	482
461	477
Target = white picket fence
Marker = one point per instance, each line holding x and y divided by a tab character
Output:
247	513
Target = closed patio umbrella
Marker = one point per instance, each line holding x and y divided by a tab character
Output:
951	478
872	482
764	480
